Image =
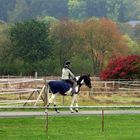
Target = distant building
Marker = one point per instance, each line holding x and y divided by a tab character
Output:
133	23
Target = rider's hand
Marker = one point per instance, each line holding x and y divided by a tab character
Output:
74	79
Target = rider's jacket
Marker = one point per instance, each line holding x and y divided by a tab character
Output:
67	74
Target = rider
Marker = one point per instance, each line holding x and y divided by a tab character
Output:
67	74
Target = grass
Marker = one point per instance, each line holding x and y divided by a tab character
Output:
119	99
117	127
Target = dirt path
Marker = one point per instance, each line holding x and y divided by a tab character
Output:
64	113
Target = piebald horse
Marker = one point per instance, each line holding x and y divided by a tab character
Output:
61	87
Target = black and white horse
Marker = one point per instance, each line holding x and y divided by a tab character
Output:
60	87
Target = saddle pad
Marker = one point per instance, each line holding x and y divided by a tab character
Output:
59	86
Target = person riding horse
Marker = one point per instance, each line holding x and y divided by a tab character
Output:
67	74
60	87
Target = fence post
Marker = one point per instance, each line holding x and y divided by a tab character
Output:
47	122
105	86
46	91
102	120
35	84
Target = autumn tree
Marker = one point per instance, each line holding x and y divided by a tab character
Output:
102	39
64	34
126	67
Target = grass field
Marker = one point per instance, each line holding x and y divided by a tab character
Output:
117	127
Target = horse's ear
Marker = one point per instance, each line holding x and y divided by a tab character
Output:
88	75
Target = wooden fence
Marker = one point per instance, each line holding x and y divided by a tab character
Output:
27	89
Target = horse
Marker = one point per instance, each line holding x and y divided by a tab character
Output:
61	87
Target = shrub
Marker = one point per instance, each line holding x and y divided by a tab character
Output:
127	67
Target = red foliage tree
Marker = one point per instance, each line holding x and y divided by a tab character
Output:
127	67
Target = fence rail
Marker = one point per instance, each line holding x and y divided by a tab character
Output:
65	107
11	85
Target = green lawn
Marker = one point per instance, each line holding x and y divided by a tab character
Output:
117	127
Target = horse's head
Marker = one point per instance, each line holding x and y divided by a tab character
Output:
85	79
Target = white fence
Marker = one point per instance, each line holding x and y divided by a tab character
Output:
15	87
32	86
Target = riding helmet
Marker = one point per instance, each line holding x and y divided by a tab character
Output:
67	63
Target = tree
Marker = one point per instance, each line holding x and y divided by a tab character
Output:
5	55
136	33
64	35
96	8
77	9
31	9
31	42
129	10
20	12
132	44
136	37
5	7
127	67
102	39
48	20
113	8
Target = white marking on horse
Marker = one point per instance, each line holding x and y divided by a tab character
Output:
82	81
77	78
68	92
77	88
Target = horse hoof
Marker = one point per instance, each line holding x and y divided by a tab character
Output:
72	111
76	111
58	111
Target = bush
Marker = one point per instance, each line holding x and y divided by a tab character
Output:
127	67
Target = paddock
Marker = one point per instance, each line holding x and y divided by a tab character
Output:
30	90
34	90
102	110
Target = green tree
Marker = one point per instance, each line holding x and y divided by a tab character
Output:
18	13
5	7
113	8
31	9
129	10
136	33
31	43
48	20
136	36
5	55
77	9
132	44
96	8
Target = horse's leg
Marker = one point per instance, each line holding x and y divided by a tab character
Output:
55	106
47	97
72	102
51	100
76	103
